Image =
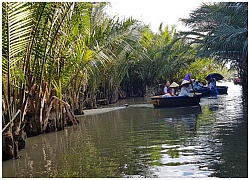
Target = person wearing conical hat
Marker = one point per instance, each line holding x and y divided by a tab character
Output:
173	88
184	89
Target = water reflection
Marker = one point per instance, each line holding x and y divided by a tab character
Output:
185	122
142	141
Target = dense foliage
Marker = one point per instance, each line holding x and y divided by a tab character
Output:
221	31
57	55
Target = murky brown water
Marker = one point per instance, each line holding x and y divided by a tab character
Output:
141	141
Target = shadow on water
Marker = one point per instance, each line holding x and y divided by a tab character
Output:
143	141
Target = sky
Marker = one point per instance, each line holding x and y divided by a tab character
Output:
154	12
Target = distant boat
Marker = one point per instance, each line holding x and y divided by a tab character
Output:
206	91
209	92
236	79
176	101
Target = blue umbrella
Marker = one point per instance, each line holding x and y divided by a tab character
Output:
216	76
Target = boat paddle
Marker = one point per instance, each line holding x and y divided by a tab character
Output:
193	89
191	83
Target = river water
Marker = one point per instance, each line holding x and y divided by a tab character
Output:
142	141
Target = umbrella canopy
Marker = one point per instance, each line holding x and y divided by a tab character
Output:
217	76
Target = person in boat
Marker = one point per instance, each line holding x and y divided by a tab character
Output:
185	90
197	85
173	88
166	88
212	83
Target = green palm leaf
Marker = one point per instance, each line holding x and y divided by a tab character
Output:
16	32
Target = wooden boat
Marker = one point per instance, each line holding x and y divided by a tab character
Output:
209	92
176	101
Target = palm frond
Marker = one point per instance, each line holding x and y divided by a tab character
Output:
19	21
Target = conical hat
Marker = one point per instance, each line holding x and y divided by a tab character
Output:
185	82
174	84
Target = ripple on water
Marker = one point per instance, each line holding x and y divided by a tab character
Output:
182	161
140	141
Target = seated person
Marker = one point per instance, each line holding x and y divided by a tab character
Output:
212	83
185	90
197	85
166	90
173	88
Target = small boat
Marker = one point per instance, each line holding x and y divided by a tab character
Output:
211	92
236	79
222	89
205	91
176	101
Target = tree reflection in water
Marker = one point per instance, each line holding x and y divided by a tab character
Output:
142	141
